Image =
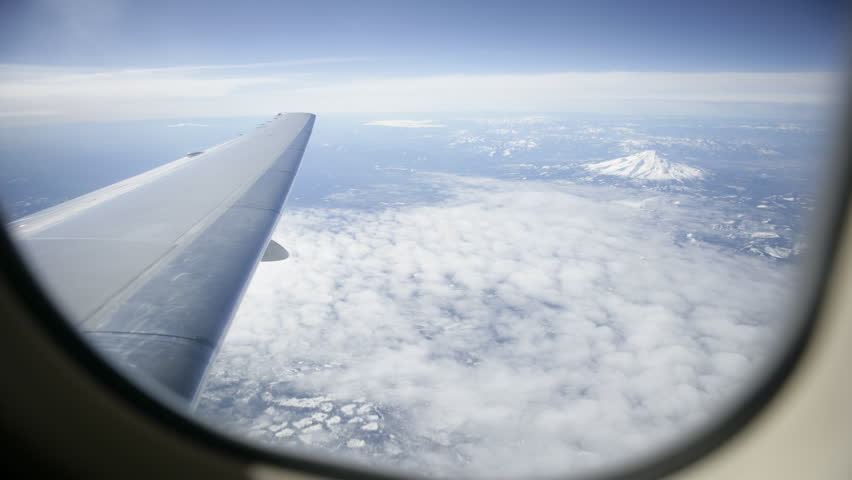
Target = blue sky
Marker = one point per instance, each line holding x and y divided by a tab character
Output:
493	36
319	55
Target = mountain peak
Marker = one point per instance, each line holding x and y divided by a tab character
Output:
646	165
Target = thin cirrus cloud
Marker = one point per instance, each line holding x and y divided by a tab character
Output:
560	326
258	89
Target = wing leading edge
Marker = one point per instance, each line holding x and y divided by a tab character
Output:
151	269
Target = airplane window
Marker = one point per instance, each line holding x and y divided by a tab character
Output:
518	240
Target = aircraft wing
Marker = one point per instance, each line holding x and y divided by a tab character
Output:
152	268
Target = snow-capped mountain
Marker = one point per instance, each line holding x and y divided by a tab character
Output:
646	165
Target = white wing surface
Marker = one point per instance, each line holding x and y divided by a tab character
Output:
152	268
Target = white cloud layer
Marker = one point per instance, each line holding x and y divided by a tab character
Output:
538	322
258	89
181	125
405	123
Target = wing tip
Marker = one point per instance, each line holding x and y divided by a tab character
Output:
307	114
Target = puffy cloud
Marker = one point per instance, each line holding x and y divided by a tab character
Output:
506	142
559	325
